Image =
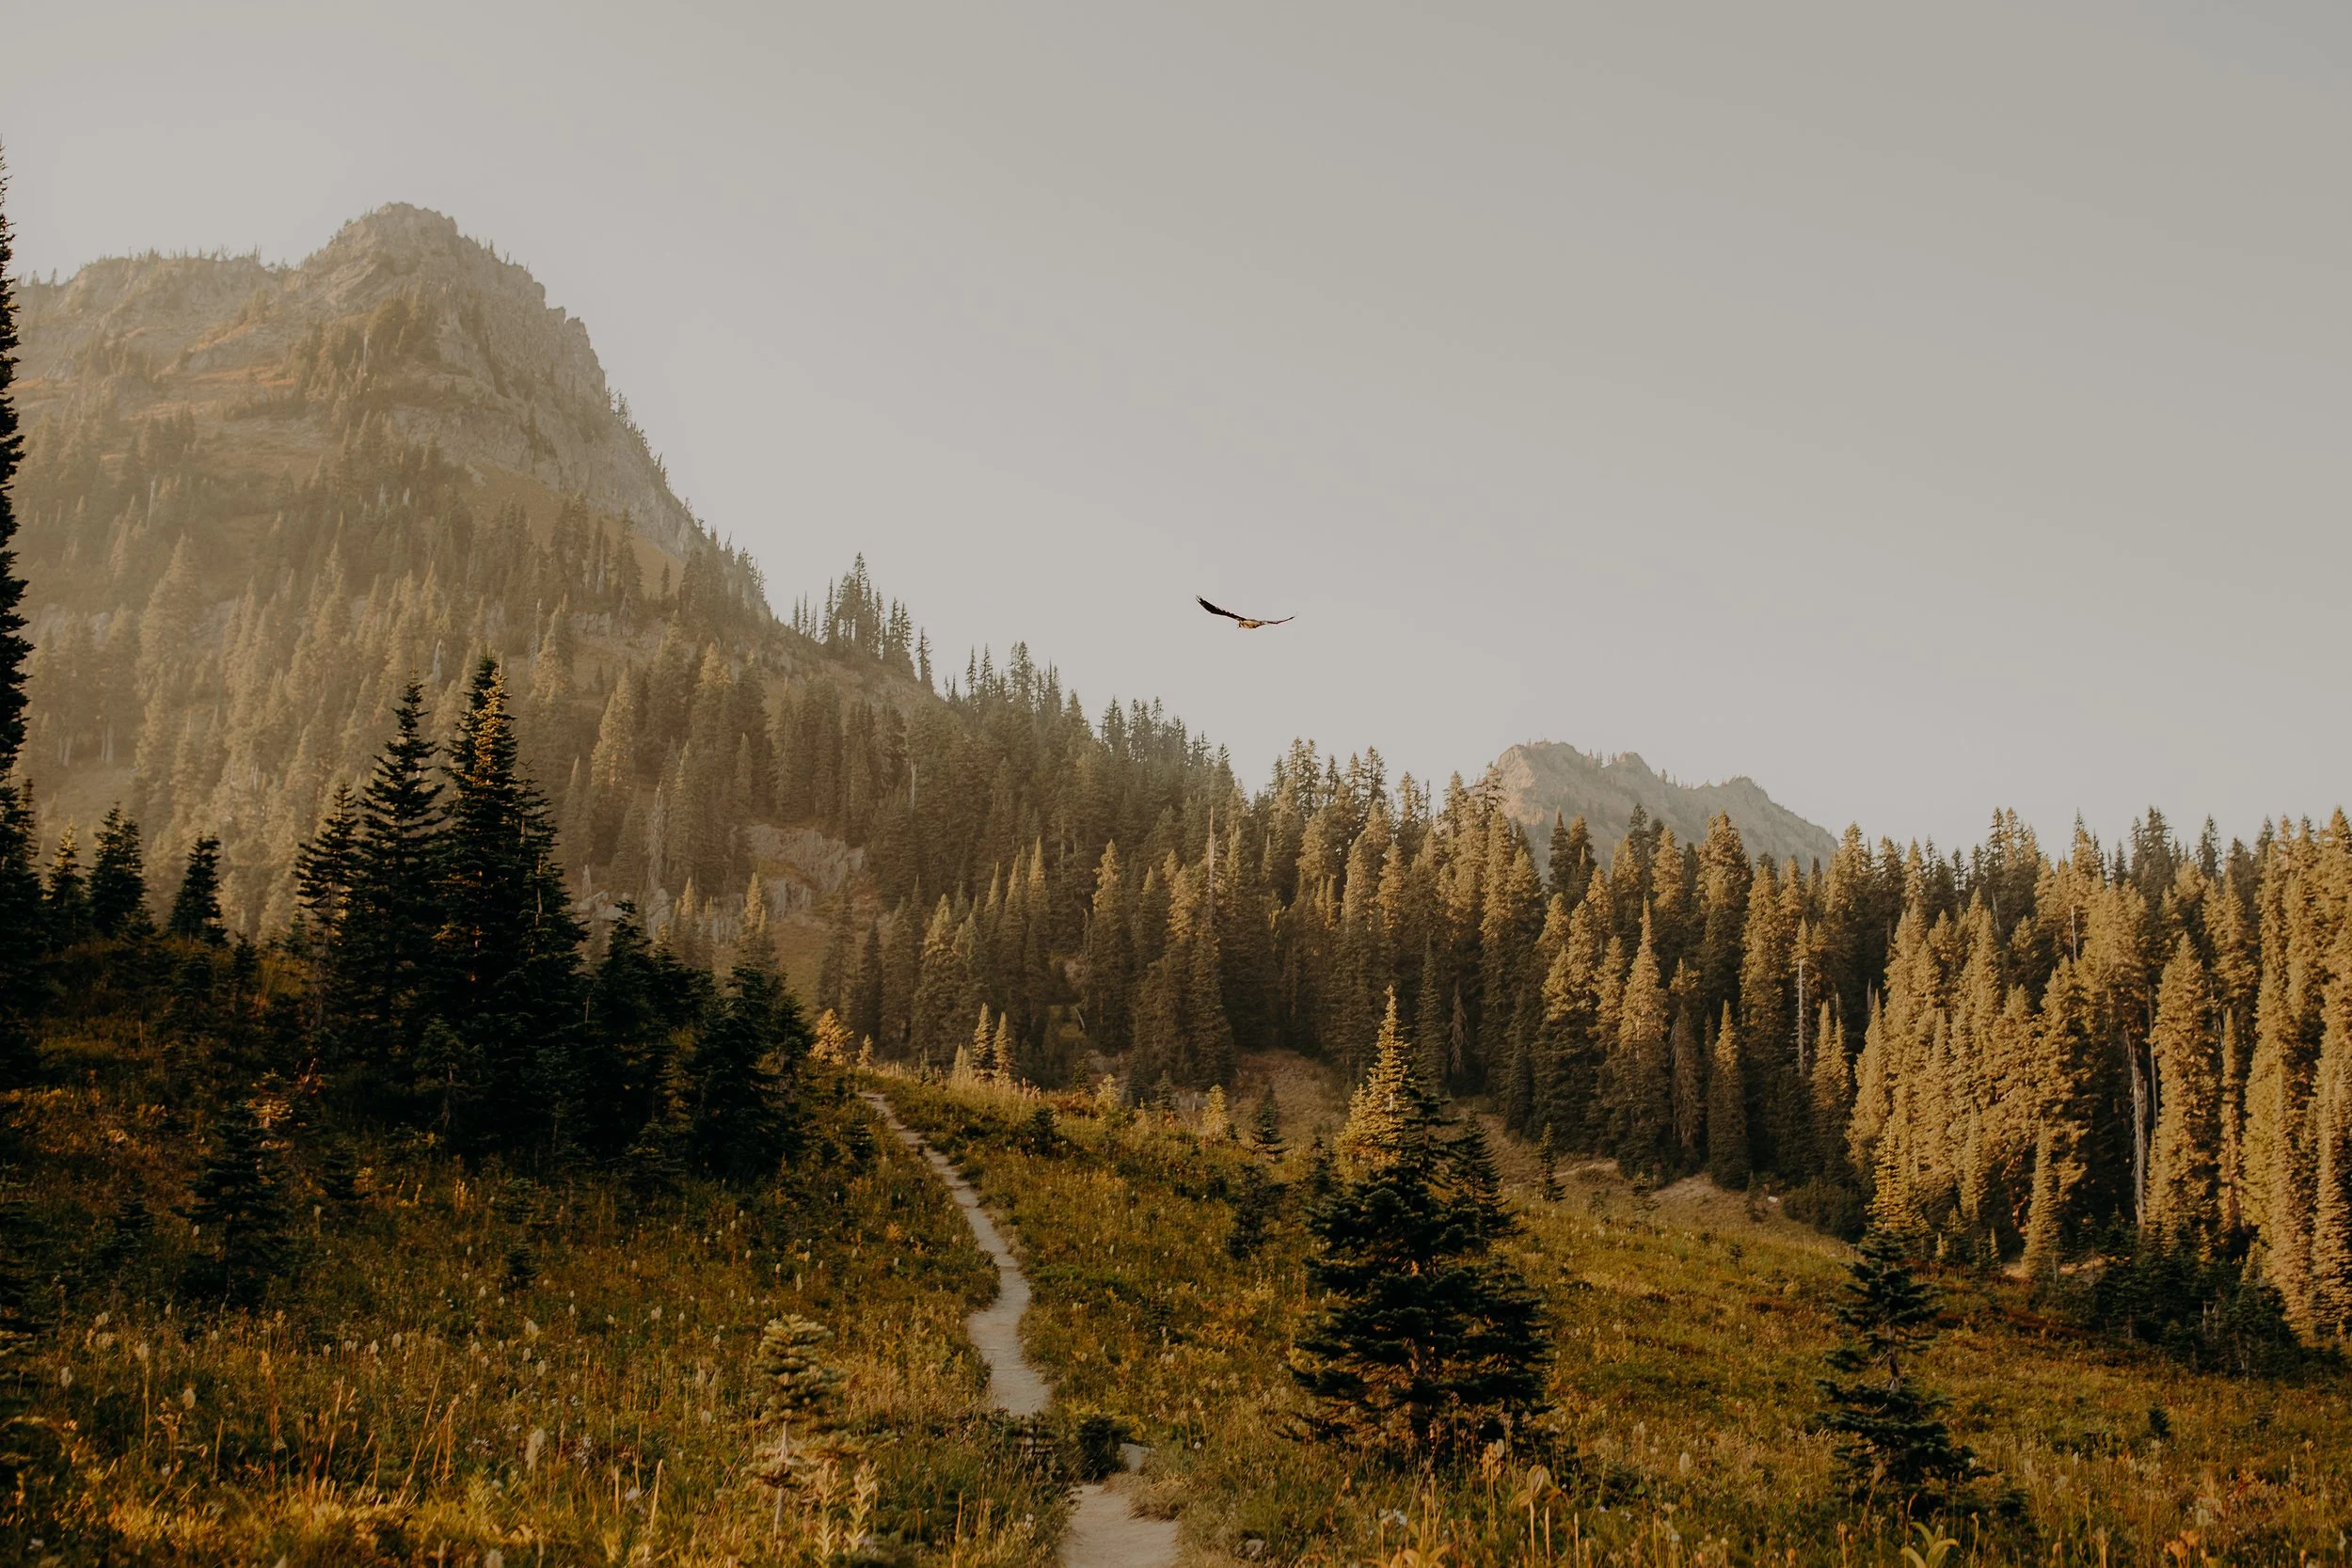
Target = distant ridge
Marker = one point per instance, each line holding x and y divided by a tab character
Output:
1543	779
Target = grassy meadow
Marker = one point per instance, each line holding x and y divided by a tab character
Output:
474	1368
1690	1331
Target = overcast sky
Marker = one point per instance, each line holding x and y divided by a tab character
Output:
1917	408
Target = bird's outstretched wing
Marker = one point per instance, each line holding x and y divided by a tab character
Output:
1246	623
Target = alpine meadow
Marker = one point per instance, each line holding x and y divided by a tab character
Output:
515	1052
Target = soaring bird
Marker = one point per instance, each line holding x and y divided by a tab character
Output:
1241	620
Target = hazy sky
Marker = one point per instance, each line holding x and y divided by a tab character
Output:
1917	408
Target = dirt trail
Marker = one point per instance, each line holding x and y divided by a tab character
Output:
1103	1531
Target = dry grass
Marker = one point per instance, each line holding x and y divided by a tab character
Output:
1689	1333
404	1401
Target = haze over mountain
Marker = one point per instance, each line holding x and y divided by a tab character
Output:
1545	781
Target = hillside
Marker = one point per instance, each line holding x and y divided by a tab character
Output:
399	316
1545	779
257	500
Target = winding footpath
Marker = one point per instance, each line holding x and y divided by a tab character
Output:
1103	1531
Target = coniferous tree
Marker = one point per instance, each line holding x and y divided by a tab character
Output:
195	908
1427	1341
2331	1141
1687	1055
118	879
2184	1198
1727	1110
14	648
641	1001
2042	1212
742	1073
1110	956
68	898
798	1391
1570	862
238	1205
1892	1439
323	868
509	963
383	965
1266	1128
1641	1065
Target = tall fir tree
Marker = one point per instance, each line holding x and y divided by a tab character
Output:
1428	1342
510	944
238	1207
383	969
1570	862
2183	1206
2331	1141
1641	1067
67	912
323	868
118	879
1727	1110
1891	1437
744	1067
15	649
195	908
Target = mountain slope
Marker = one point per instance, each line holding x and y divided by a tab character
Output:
399	316
257	499
1544	779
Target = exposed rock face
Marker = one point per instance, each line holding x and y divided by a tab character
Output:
1545	779
399	316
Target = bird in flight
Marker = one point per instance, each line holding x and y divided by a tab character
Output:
1246	623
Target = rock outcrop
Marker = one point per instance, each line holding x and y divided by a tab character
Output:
1545	779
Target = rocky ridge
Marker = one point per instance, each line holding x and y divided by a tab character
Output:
1543	779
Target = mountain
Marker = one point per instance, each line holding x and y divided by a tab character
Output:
1546	779
400	317
257	499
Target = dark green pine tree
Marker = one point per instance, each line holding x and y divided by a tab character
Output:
1428	1342
1039	1137
382	963
510	946
239	1209
1892	1440
745	1067
14	647
118	879
1266	1128
195	909
20	885
23	987
1570	862
325	867
640	999
68	899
